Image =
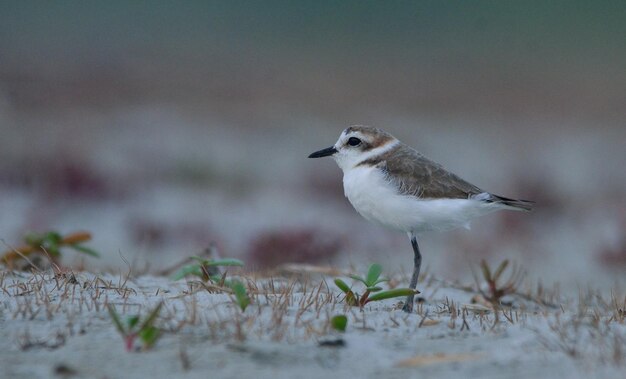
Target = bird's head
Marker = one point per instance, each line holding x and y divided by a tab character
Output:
355	145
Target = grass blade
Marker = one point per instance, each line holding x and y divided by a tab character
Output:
500	269
153	315
486	272
116	319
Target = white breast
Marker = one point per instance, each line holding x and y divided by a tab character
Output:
377	199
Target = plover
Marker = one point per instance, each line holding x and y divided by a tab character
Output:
391	184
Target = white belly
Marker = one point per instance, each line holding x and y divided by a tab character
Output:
376	199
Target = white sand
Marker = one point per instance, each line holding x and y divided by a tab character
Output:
49	325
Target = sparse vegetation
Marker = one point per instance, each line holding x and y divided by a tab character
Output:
50	243
205	269
44	310
135	328
497	289
241	295
373	292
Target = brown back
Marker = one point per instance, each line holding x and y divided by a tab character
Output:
418	176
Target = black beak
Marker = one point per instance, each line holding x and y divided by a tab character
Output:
324	152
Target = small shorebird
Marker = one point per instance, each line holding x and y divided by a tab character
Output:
391	184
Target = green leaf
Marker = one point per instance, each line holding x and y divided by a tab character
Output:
339	323
149	335
374	289
85	250
200	260
218	262
187	270
53	238
397	292
116	319
240	294
225	262
358	278
342	285
131	321
373	274
381	280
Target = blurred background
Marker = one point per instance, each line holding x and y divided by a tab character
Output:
161	127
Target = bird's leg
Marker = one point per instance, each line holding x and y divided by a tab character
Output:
417	262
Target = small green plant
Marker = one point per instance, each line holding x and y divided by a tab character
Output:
373	292
241	295
339	323
496	291
205	268
50	243
133	328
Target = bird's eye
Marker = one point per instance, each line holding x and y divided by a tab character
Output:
353	141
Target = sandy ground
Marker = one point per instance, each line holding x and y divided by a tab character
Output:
57	325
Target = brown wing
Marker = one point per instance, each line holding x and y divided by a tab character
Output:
418	176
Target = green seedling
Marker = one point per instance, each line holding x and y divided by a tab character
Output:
495	291
133	328
50	243
241	295
205	269
339	323
373	292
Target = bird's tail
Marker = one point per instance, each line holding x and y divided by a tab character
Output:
520	205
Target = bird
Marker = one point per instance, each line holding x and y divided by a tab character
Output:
393	185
